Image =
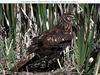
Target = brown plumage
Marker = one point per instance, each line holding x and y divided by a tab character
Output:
49	47
60	34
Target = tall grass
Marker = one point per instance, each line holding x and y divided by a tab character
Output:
7	24
87	28
21	22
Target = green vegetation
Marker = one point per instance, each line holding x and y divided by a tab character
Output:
20	21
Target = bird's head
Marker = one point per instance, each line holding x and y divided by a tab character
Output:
67	18
66	22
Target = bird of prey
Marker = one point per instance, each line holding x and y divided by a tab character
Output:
49	46
58	37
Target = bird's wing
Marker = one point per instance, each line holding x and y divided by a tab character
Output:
54	37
